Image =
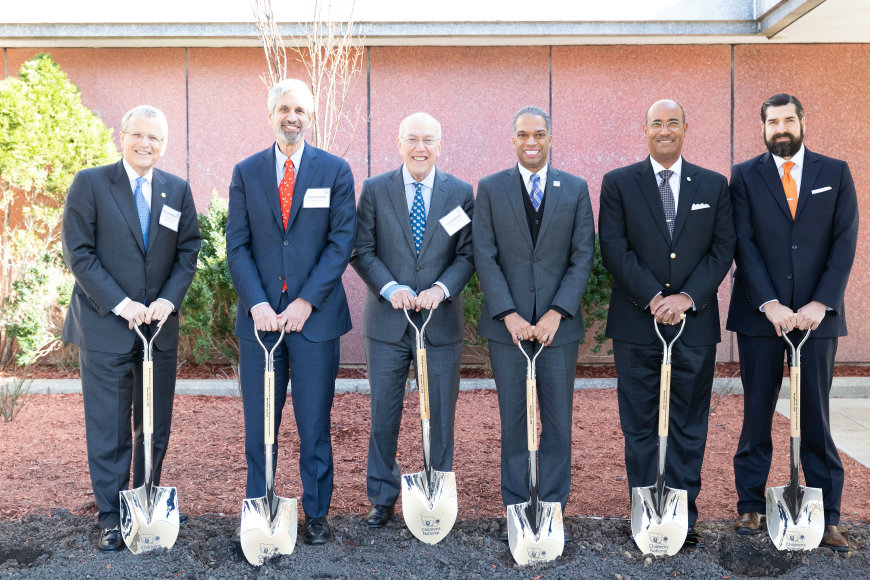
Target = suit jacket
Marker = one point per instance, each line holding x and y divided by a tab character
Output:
638	251
103	247
795	260
517	275
385	251
311	255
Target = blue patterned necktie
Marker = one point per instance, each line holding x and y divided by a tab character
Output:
536	195
418	216
143	209
668	199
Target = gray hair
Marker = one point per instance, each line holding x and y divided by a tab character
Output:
536	112
300	88
145	111
423	115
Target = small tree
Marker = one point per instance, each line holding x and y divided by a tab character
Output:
46	136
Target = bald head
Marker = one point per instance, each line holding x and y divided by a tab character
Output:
421	119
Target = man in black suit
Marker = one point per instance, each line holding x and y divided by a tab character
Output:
796	214
131	238
414	263
667	237
534	242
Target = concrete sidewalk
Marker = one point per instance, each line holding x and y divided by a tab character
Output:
850	400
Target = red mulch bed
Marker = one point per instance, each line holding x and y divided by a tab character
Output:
44	463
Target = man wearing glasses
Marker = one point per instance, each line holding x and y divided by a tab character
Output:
667	237
131	238
413	251
534	242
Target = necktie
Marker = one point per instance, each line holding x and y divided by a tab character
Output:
285	191
790	187
418	216
143	209
668	199
536	195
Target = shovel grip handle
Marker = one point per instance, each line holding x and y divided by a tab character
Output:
532	413
794	376
664	400
423	383
269	407
148	397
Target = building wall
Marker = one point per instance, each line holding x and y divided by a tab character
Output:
214	99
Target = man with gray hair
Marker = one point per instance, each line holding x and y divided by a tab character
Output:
534	242
131	238
290	232
413	251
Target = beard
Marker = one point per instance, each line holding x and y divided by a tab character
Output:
785	149
289	137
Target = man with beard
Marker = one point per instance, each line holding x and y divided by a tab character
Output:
290	232
796	215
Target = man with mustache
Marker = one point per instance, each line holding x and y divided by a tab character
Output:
796	215
290	232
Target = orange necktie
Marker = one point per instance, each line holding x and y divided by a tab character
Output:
285	192
790	187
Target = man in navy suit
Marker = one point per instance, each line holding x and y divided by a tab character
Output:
413	263
796	214
290	232
131	238
534	242
667	237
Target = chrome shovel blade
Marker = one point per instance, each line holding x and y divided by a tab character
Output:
788	533
263	536
145	530
659	536
429	517
528	547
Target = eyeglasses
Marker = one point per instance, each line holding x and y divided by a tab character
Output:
414	141
673	125
152	139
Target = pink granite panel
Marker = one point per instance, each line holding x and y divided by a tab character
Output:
832	82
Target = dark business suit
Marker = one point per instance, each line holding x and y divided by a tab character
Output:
104	249
311	256
530	276
385	252
644	260
793	260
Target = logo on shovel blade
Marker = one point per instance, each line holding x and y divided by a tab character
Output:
537	555
431	525
150	540
266	552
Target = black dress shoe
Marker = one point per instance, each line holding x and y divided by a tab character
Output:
110	539
182	518
693	540
237	536
379	515
503	532
317	531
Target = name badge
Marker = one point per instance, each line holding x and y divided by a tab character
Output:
169	218
316	197
455	221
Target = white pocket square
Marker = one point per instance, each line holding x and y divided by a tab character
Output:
700	206
820	190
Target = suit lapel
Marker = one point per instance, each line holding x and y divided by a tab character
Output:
649	188
396	193
436	209
688	188
304	175
810	171
123	195
553	195
513	190
766	168
158	191
268	176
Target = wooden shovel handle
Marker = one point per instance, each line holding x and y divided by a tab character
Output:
664	399
532	413
794	376
148	397
269	407
423	383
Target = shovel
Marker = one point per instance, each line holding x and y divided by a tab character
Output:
149	514
429	496
268	526
795	514
659	514
535	528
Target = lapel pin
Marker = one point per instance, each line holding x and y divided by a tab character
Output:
688	179
557	183
162	195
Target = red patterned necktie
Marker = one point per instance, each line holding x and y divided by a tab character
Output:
285	192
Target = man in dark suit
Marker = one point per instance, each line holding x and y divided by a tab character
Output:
413	250
796	214
667	237
131	238
534	242
290	232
